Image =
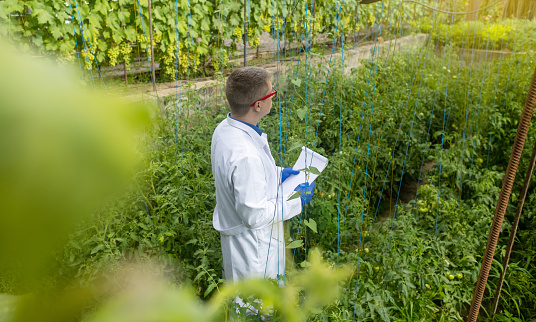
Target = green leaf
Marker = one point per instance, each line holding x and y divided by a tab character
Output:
316	311
201	50
301	112
102	7
4	10
97	248
314	170
305	264
204	25
182	27
311	223
198	276
94	19
37	40
296	195
55	31
295	244
233	21
209	289
100	56
10	6
123	15
117	37
66	45
296	82
43	16
294	146
158	16
130	33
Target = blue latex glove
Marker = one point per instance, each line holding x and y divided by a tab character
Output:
307	191
287	172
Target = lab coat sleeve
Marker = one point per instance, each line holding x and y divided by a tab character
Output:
248	180
279	174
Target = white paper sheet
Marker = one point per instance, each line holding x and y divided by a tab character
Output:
307	158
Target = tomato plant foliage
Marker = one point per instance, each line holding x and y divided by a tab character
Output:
415	235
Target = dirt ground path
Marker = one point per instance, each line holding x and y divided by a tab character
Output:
352	59
408	191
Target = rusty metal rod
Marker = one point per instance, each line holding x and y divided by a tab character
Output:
504	196
513	231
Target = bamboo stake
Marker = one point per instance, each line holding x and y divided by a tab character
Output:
125	70
152	47
245	30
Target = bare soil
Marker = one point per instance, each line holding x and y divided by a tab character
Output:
408	191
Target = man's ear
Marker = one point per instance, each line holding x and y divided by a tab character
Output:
257	106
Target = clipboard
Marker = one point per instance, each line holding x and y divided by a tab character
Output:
308	158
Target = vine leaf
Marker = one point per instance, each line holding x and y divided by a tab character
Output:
43	16
294	146
295	244
37	40
295	195
311	223
314	170
296	82
301	112
130	32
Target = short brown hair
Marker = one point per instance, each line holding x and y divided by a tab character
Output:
244	86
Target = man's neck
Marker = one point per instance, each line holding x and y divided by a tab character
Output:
248	118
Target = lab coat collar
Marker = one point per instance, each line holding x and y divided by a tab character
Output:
260	140
255	127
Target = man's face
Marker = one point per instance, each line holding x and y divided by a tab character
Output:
266	105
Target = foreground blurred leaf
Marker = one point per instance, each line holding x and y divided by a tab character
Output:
151	300
63	149
319	285
7	306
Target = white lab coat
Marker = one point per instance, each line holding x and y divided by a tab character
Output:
249	219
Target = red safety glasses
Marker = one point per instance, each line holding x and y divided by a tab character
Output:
265	97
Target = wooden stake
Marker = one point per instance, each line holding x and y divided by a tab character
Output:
152	47
245	30
125	70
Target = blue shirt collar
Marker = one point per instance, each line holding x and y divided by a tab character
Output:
255	127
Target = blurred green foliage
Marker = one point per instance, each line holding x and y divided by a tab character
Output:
200	35
64	150
508	35
69	151
402	269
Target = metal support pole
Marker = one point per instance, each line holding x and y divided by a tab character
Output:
245	30
513	231
152	47
504	196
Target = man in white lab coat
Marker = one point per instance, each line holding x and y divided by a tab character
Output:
250	208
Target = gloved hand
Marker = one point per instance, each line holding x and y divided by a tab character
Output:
287	172
307	191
